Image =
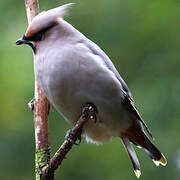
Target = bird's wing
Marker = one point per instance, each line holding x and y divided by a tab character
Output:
130	106
128	99
97	51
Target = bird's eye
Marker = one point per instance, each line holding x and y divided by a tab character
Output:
39	35
36	37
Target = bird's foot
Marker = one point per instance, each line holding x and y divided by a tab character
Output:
90	108
69	138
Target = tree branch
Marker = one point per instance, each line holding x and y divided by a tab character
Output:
32	9
87	113
41	108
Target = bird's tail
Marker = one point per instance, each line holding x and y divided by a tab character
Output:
153	152
138	137
132	155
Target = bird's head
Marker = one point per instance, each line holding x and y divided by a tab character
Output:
41	24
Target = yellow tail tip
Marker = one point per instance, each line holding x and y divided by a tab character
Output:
162	161
137	173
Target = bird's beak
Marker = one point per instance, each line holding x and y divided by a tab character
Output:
23	40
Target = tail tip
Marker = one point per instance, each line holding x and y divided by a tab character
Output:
161	161
137	173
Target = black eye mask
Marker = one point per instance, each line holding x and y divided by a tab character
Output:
34	38
38	36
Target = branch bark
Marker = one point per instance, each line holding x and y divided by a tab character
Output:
41	108
88	112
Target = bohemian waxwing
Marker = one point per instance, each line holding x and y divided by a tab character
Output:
73	71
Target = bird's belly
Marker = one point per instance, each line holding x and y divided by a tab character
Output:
110	123
69	88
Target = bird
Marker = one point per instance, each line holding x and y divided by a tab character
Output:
72	71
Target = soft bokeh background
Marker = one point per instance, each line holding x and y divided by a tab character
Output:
142	38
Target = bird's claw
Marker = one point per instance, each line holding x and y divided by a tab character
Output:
68	137
94	117
90	108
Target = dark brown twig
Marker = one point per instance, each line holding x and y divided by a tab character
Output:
61	153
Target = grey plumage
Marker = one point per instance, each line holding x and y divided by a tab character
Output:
72	71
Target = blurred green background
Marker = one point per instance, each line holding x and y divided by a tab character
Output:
142	38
